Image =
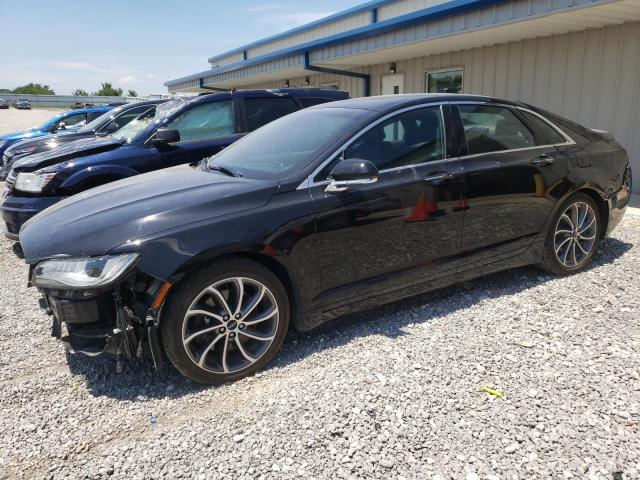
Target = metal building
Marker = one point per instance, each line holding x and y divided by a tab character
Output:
578	58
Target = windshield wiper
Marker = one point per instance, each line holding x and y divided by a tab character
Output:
224	170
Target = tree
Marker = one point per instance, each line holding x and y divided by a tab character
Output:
107	90
132	93
81	93
34	89
5	90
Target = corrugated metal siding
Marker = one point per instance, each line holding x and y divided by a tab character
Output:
592	77
267	67
403	7
479	18
342	25
236	57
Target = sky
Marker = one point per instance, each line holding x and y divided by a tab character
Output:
134	44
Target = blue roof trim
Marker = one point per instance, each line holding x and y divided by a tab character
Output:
322	21
428	14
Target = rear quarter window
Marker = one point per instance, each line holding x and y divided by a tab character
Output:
261	111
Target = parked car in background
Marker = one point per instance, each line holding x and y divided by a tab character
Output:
22	104
176	132
4	104
70	120
107	123
326	211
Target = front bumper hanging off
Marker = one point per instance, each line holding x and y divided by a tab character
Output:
105	323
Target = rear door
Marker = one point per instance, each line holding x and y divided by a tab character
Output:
258	111
511	173
205	130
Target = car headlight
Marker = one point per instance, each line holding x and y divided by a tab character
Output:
89	272
32	182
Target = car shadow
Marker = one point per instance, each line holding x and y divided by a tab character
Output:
139	381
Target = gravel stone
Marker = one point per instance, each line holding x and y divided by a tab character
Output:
390	393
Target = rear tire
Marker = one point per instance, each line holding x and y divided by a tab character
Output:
573	235
226	321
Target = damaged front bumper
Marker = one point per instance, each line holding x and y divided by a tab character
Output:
121	320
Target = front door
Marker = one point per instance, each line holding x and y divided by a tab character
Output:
393	84
512	170
204	130
396	233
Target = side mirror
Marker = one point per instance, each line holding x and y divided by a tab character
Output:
61	126
351	172
165	136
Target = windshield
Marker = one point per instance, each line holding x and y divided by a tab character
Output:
289	143
153	115
96	122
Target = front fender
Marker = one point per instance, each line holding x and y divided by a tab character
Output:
92	175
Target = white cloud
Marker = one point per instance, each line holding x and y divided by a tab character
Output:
130	80
77	66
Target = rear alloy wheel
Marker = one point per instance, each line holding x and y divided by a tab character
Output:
573	237
226	322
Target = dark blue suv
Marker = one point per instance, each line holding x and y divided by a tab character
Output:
176	132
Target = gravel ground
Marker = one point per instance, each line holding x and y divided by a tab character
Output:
394	393
12	120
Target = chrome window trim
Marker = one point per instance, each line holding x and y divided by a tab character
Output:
309	182
569	140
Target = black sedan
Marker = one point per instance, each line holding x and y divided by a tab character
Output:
324	212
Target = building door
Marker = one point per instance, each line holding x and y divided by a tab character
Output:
393	84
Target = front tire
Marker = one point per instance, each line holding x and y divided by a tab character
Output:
226	321
573	236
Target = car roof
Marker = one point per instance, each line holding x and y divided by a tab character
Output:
89	109
386	103
275	92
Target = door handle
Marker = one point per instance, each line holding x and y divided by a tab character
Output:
542	160
439	178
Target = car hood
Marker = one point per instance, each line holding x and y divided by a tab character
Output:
30	133
66	151
41	144
126	211
49	142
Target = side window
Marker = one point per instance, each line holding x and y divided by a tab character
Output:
545	134
91	116
410	138
311	101
210	120
261	111
73	121
491	128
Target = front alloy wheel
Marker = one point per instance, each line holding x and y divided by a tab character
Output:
225	322
230	325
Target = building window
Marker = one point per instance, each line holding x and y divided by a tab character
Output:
330	86
445	81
